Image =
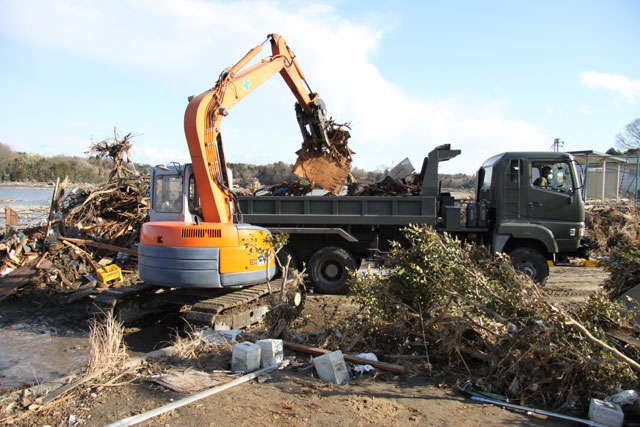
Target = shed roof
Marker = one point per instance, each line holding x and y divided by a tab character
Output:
596	158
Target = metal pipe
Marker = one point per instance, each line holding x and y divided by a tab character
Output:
637	170
586	172
618	184
538	411
604	179
187	400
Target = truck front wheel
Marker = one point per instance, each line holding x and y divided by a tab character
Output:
532	263
328	269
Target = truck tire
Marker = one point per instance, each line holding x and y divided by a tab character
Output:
532	263
328	270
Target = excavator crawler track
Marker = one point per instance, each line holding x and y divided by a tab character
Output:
218	309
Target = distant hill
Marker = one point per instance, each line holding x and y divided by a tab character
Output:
24	167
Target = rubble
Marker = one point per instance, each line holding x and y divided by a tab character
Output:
105	219
610	226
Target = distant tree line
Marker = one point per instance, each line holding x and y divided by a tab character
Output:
249	176
458	181
24	167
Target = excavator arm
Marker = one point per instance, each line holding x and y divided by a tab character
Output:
322	139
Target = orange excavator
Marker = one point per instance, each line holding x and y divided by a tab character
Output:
203	246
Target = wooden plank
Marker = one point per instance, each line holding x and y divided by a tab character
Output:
16	279
11	217
101	246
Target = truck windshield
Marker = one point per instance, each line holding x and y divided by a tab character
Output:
554	176
167	193
485	178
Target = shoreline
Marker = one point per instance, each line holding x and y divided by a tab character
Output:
45	185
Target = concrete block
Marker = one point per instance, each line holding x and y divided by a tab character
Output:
606	413
245	357
331	367
271	352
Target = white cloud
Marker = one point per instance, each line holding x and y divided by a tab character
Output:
627	87
189	42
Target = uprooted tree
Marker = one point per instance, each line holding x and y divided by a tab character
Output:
119	151
472	311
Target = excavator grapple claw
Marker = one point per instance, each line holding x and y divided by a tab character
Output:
325	158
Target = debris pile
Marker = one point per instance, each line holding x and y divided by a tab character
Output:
111	213
285	189
624	266
104	220
610	226
386	187
461	308
92	229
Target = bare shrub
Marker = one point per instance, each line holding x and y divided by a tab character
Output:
476	313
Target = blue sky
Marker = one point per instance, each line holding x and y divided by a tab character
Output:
486	77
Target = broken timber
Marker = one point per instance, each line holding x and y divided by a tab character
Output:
15	279
101	245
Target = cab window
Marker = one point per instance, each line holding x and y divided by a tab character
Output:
194	199
167	194
551	176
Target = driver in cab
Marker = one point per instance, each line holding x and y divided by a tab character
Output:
545	177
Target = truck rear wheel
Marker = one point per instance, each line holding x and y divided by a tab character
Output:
328	270
532	263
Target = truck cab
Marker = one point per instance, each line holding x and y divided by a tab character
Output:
533	207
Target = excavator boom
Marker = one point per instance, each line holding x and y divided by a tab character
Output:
324	146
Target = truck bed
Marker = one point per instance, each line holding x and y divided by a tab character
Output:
338	210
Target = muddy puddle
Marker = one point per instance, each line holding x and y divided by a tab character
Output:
29	357
40	342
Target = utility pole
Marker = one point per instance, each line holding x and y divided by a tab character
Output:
557	143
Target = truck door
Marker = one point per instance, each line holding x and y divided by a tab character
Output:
552	197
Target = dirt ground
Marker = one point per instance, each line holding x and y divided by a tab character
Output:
293	396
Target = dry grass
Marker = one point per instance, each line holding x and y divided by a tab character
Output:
107	349
185	347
